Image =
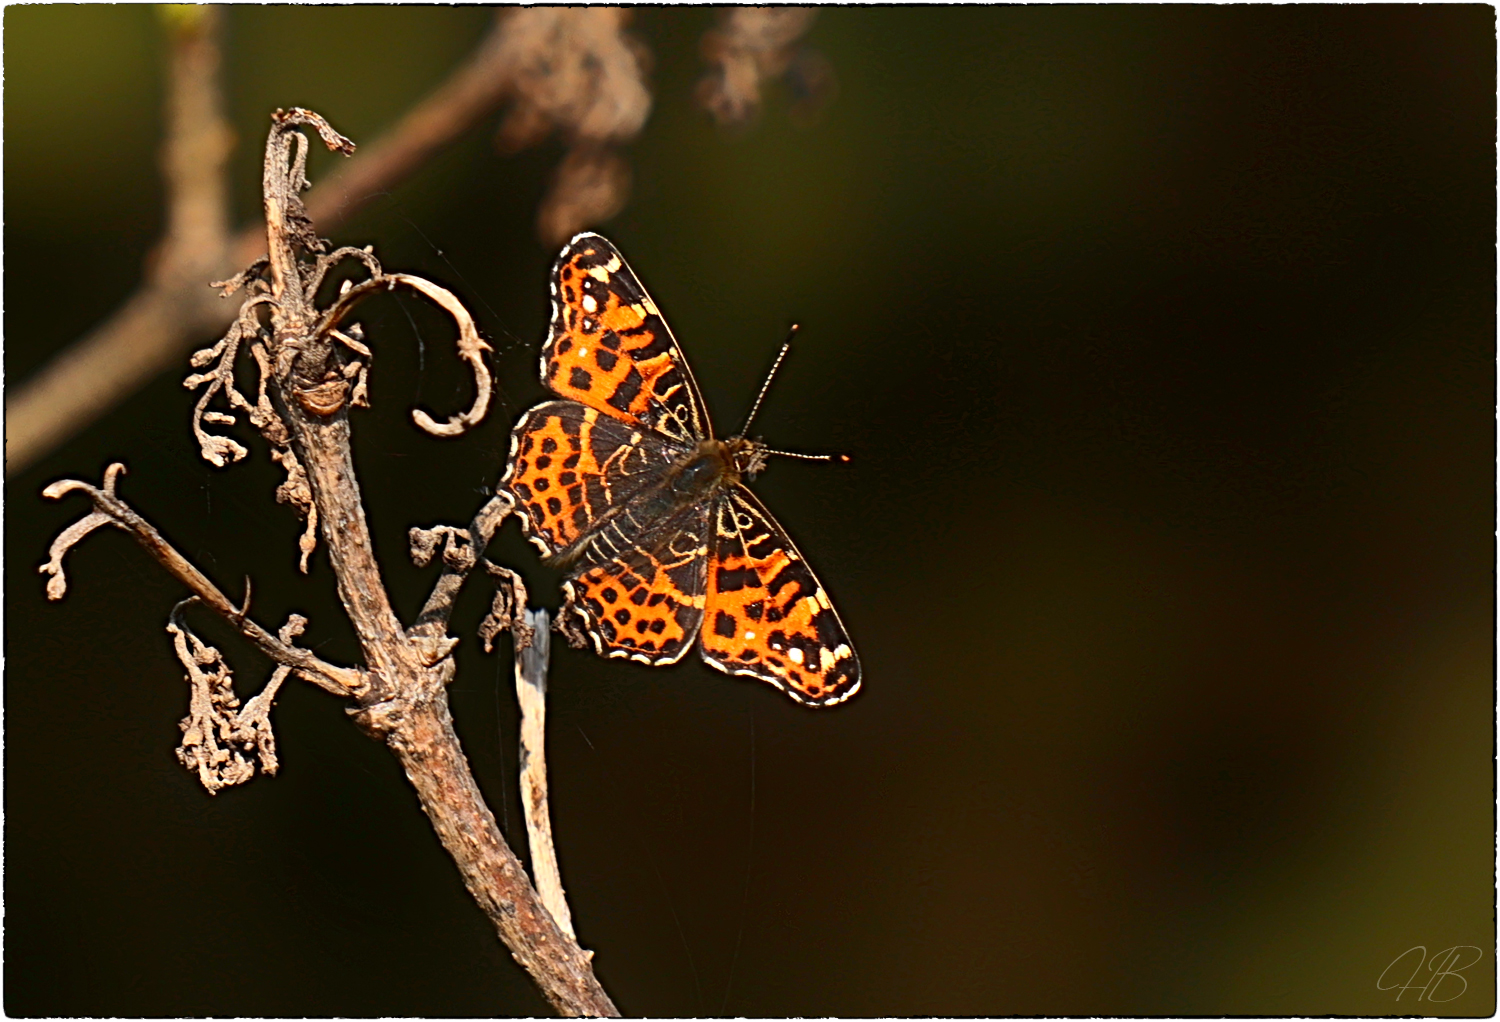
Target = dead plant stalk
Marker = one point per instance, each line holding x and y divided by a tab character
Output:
313	367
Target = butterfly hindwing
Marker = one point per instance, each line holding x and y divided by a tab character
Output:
765	614
645	601
609	347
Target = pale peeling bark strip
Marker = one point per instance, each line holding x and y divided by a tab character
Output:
531	692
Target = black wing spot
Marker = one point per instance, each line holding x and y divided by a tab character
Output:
623	616
528	443
748	654
658	626
724	625
656	599
627	390
554	506
541	484
580	516
567	478
732	580
755	609
575	494
523	491
580	379
542	461
641	624
607	359
609	594
571	461
638	597
549	446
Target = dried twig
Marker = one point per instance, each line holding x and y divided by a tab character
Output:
109	509
307	358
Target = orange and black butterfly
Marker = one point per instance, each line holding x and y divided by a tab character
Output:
623	483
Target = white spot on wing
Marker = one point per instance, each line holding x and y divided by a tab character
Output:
601	274
795	655
589	305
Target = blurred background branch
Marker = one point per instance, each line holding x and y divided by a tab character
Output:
574	71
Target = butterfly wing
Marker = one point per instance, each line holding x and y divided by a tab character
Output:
610	349
765	614
571	468
644	600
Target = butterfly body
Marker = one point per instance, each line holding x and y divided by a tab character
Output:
622	484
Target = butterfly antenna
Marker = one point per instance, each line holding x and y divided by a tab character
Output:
755	408
841	458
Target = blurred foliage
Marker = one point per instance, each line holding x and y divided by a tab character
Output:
1163	338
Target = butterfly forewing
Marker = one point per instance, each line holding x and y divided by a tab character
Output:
609	347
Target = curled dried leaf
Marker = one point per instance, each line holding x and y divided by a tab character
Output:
507	609
221	742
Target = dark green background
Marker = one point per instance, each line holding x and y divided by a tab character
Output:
1163	341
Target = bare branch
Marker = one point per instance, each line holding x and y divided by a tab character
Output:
461	549
338	680
531	692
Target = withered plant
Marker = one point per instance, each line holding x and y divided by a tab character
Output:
312	366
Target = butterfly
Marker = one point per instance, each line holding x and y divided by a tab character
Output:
622	483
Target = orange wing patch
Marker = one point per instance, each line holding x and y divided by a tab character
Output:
610	348
765	614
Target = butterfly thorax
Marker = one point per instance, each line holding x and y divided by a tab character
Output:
713	466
